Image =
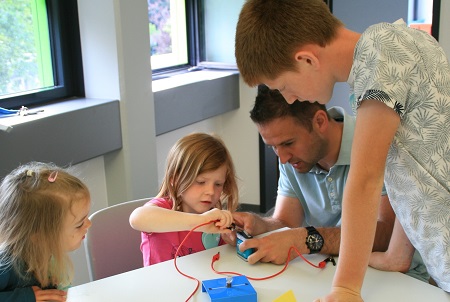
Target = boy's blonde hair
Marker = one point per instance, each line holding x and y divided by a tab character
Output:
32	214
270	32
192	155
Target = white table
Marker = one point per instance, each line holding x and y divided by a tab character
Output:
161	282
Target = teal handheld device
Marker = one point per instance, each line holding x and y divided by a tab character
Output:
241	236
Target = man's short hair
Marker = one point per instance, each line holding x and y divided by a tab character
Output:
270	105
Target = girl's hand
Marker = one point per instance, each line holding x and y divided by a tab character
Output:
46	295
222	218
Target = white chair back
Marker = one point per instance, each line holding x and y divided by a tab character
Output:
112	245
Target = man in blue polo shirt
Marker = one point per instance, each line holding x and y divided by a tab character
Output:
313	146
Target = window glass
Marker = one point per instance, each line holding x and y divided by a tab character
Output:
420	14
192	34
25	55
40	52
168	34
219	27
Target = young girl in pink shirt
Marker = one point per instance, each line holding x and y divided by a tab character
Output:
199	186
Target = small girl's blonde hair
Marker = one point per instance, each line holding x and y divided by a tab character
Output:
195	154
33	208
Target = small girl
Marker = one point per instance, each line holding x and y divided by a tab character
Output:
43	216
199	182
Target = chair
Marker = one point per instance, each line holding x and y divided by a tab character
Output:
112	245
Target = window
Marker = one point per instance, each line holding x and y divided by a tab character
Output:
420	14
217	29
192	34
40	56
26	57
168	35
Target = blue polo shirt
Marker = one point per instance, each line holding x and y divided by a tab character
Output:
320	192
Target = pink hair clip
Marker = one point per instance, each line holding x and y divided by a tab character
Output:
52	176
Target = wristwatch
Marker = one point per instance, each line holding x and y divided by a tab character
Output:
314	241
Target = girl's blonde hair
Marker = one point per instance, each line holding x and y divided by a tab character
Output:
33	208
192	155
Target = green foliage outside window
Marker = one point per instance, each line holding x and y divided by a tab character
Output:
25	55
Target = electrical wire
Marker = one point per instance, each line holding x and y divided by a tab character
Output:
321	264
176	256
216	257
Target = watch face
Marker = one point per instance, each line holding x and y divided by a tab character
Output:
315	242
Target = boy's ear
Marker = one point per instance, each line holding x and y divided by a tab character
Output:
307	56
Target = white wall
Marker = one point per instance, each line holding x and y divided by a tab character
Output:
92	172
116	58
241	137
116	54
239	134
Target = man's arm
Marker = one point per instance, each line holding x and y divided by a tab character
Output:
385	223
288	213
274	247
399	255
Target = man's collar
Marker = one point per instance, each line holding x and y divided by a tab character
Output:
338	113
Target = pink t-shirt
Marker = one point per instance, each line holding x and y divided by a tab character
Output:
158	247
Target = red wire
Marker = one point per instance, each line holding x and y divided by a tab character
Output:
217	256
176	256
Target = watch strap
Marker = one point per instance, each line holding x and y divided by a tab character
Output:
312	231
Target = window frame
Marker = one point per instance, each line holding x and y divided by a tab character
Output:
66	58
195	43
436	19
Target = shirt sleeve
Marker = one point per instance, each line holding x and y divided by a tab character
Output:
161	202
24	294
11	293
385	64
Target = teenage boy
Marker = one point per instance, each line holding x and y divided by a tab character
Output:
399	79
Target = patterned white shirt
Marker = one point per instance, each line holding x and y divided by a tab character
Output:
407	70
